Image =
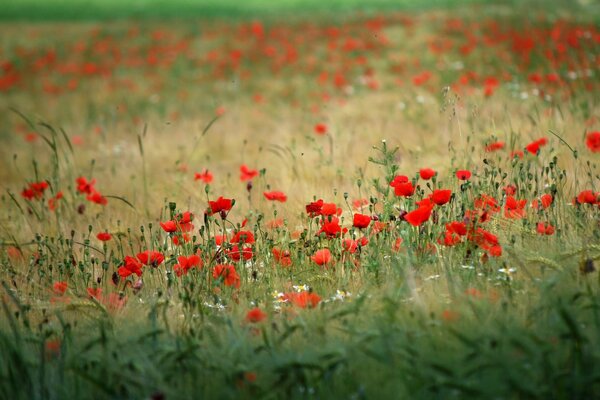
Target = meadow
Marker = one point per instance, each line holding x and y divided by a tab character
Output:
294	200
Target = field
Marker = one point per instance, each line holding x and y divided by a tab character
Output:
297	200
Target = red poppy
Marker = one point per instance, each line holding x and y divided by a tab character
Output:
350	245
83	186
151	258
35	190
221	204
97	198
460	228
514	208
247	174
320	129
52	201
592	141
510	190
329	209
544	229
130	266
405	189
314	209
545	201
427	173
303	299
243	237
255	315
360	203
237	253
441	196
331	228
104	236
495	146
169	226
399	179
95	293
282	257
59	288
534	147
463	174
186	263
321	257
228	273
361	221
275	196
418	216
205	176
587	197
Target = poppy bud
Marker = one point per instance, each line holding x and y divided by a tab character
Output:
81	209
249	186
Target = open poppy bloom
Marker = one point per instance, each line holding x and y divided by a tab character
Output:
205	176
441	196
592	141
275	196
463	174
321	257
426	173
221	204
247	174
361	221
255	315
228	273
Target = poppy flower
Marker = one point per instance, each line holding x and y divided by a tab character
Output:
321	129
204	176
510	190
282	257
418	216
545	201
329	209
331	228
399	179
463	174
186	263
427	173
130	266
321	257
350	245
96	197
544	229
592	141
247	174
104	236
303	299
243	237
84	186
169	226
587	197
221	204
151	258
460	228
59	288
52	201
314	209
495	146
360	203
35	190
361	221
441	196
404	189
514	208
275	196
95	293
255	315
237	253
228	273
534	147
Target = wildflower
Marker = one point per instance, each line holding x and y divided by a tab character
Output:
95	293
329	209
514	208
545	201
361	221
243	237
350	245
534	147
220	205
205	176
59	288
320	129
463	174
314	209
282	257
236	253
247	174
418	216
544	229
427	173
303	299
151	258
405	189
495	146
169	226
331	228
593	141
96	197
587	197
52	201
441	196
321	257
186	263
228	273
255	315
35	190
275	196
84	186
130	266
104	236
